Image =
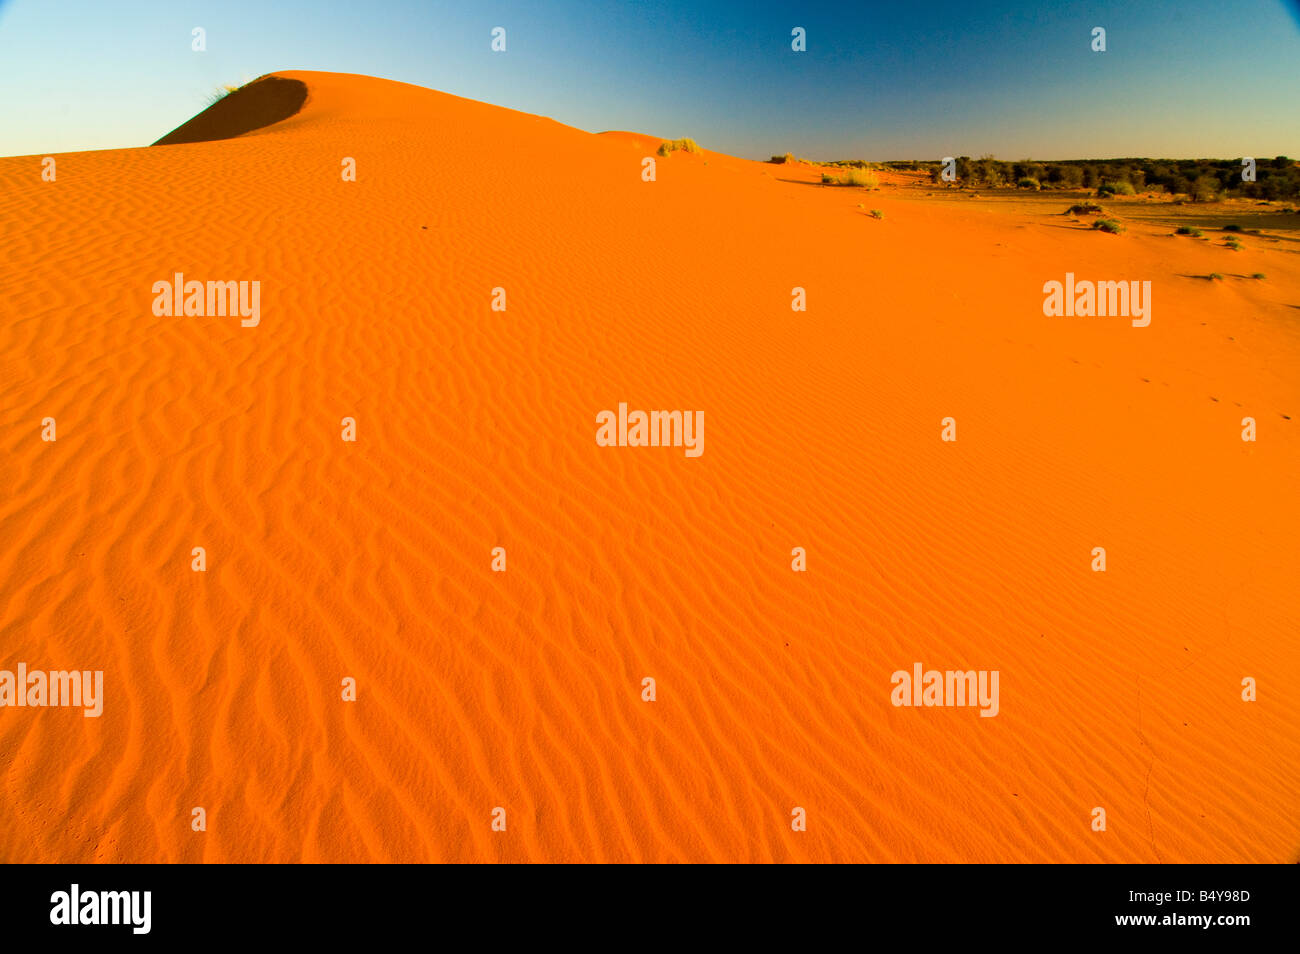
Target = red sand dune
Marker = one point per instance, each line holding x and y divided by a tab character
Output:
476	429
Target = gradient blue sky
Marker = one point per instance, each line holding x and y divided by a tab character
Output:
1200	78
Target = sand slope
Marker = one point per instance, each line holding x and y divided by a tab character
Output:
476	430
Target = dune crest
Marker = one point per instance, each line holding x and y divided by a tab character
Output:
256	105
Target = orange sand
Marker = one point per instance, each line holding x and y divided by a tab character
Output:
476	430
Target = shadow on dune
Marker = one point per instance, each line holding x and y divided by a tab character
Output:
261	103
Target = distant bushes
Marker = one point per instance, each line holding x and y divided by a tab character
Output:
1086	208
1202	180
851	164
673	145
1188	230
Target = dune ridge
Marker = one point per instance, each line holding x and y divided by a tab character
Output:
476	430
265	101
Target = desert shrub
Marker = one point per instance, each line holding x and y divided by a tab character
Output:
990	171
1123	187
1028	169
1028	182
1112	226
1086	208
853	177
672	145
1205	189
877	214
1106	192
1260	275
1233	244
1215	277
1188	230
788	157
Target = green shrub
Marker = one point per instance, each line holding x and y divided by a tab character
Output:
1123	187
1215	277
672	145
1108	225
1028	182
1206	189
1260	275
1086	208
1233	244
1188	230
853	177
877	214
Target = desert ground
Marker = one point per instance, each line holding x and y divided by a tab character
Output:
477	690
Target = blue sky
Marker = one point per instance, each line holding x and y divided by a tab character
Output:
1199	78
